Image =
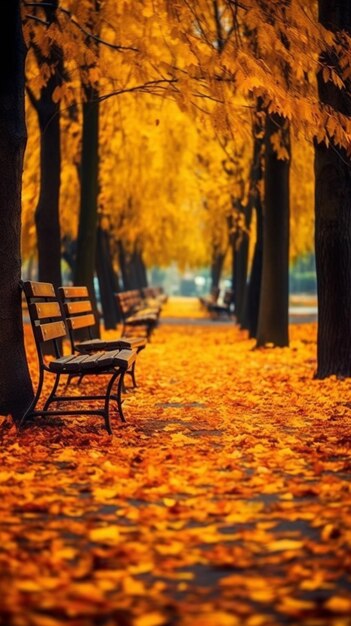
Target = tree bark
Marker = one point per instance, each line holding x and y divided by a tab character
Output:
140	269
108	281
249	318
47	218
239	241
254	286
47	214
15	385
273	318
216	267
88	216
333	221
132	268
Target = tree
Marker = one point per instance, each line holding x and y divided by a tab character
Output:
273	320
254	203
333	205
107	275
47	215
15	385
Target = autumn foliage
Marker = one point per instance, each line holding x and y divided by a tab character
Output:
223	501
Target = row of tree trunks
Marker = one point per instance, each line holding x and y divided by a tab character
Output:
262	303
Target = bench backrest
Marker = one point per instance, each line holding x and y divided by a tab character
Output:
128	302
78	311
45	315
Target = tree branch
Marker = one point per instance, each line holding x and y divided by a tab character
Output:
86	32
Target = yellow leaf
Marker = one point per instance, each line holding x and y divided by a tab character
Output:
105	534
133	587
216	618
284	544
339	604
150	619
169	501
105	493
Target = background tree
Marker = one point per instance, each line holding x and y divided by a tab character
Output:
89	171
273	320
49	63
333	202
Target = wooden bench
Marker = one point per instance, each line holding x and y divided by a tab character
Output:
208	301
223	306
79	315
135	315
154	294
48	325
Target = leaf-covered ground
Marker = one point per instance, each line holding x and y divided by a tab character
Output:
224	501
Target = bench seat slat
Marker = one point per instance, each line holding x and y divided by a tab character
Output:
99	360
141	318
113	344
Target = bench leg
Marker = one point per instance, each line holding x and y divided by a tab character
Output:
132	374
120	386
33	404
52	397
120	376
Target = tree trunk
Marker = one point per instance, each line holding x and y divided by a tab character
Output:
132	268
47	214
108	281
240	276
254	286
86	240
15	385
239	241
216	267
47	218
333	221
273	318
140	269
249	318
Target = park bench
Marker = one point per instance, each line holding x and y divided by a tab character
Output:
208	301
79	316
223	306
154	295
49	326
135	315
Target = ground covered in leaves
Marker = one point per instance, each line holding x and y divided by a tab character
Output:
224	501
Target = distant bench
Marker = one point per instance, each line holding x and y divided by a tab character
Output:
154	294
136	313
218	306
